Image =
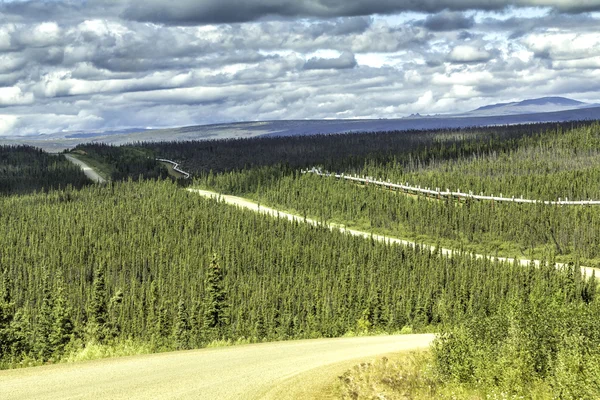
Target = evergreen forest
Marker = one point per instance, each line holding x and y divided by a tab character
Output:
25	169
544	166
139	263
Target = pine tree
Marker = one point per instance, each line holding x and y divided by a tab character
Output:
163	327
98	327
6	317
62	325
20	331
43	328
181	331
215	314
260	331
152	311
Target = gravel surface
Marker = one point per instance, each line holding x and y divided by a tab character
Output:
87	170
279	370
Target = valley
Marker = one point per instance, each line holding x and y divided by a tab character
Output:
251	250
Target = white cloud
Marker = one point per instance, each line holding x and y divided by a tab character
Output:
469	54
469	77
424	102
5	36
7	123
42	35
10	96
564	45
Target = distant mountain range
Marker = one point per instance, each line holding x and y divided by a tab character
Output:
532	106
546	109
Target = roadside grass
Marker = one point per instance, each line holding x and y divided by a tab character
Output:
104	170
411	375
79	351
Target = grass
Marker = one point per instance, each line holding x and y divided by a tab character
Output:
411	375
406	376
94	351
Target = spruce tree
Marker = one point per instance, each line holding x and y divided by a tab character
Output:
98	312
43	327
20	333
62	325
181	331
6	318
215	314
163	327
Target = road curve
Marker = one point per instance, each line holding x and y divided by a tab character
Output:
249	204
87	170
280	370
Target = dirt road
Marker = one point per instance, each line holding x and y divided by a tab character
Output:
245	203
87	170
281	370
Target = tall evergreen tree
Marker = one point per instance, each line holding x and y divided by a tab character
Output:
20	331
43	328
215	314
6	318
98	327
182	327
62	325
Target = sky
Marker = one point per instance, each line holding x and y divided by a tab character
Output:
93	65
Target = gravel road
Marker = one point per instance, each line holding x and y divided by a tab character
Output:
249	204
280	370
87	170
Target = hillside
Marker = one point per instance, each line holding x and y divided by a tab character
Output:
532	106
140	265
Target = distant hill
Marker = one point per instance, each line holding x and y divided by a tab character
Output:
546	109
531	106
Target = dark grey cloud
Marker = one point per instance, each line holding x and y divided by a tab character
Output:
465	35
448	21
191	12
341	26
344	61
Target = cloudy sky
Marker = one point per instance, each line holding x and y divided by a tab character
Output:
71	65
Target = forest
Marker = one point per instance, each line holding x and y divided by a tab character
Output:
338	152
25	169
544	166
140	263
123	162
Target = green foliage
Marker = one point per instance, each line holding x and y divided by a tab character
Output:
25	169
182	327
540	338
124	162
62	325
98	319
43	345
340	152
216	310
6	318
283	280
513	167
127	267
